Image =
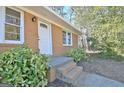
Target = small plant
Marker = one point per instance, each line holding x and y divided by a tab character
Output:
78	54
21	67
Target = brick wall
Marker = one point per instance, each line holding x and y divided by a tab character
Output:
31	34
31	37
58	48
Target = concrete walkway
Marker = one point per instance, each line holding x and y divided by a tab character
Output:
105	67
67	71
93	80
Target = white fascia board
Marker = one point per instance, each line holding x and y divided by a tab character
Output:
49	20
61	18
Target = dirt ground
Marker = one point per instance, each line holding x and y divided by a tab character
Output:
106	67
59	83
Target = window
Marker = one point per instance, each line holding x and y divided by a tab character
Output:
12	32
13	29
43	26
67	38
64	37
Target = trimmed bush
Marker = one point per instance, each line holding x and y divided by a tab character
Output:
21	67
78	54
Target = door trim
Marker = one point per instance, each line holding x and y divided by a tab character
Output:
50	36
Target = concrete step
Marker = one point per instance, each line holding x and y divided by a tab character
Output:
73	74
59	61
66	67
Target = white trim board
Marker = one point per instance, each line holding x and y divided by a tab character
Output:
2	27
67	39
42	17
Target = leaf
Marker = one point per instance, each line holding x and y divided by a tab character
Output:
21	67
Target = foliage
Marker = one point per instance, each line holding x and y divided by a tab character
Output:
21	67
105	24
78	54
84	16
93	44
65	11
109	53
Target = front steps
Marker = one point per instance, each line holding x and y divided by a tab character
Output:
74	73
68	72
65	69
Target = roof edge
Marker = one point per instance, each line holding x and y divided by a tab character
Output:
76	30
62	18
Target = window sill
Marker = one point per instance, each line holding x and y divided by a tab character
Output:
67	45
12	42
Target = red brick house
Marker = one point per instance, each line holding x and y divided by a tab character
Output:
37	26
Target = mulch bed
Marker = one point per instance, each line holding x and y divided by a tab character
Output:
5	85
59	83
56	83
107	67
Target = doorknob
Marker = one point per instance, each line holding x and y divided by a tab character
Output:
38	38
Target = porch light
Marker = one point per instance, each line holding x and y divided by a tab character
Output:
34	19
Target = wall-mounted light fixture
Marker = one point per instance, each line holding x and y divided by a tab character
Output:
34	19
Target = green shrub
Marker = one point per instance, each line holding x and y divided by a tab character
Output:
109	53
21	67
78	54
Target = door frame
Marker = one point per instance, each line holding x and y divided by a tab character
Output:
50	35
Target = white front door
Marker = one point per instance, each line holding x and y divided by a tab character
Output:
45	38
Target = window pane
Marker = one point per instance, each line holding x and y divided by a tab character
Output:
12	17
12	32
64	37
69	38
43	26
